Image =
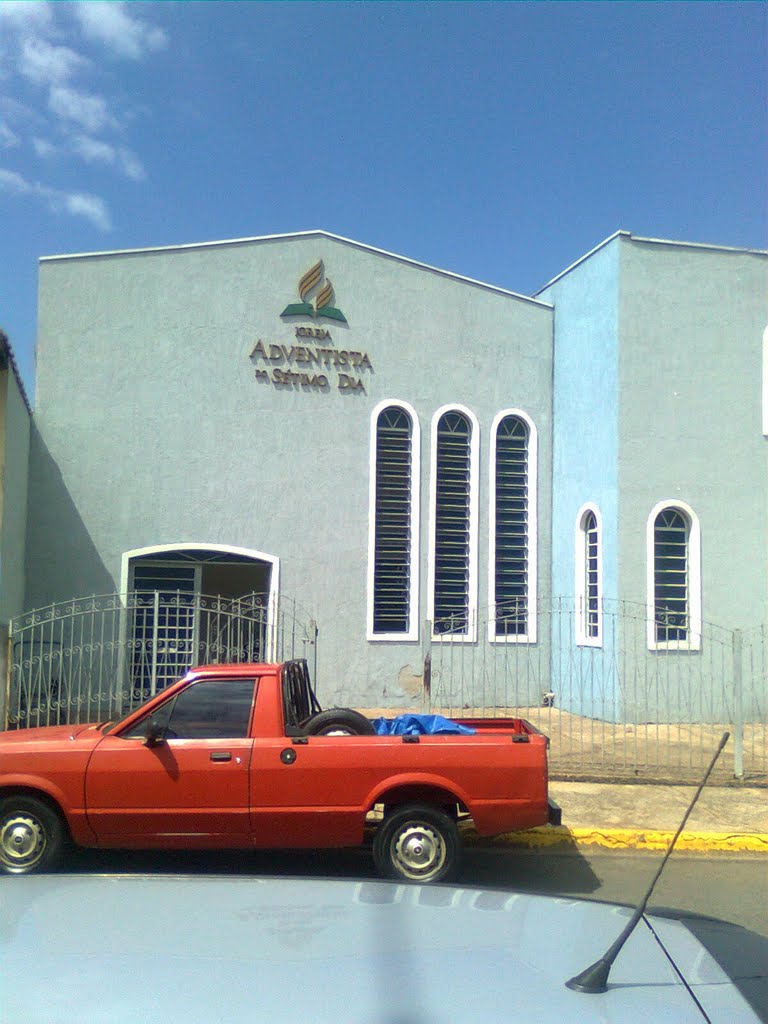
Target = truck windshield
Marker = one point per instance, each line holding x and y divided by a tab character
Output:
113	723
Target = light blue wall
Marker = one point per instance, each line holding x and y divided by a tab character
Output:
585	447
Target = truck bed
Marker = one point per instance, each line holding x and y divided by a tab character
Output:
500	726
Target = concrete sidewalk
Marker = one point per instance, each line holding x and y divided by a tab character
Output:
645	817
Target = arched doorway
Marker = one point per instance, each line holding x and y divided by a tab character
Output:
193	603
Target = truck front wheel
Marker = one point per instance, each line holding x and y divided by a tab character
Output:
417	843
32	835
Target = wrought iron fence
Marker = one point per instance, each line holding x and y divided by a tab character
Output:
613	708
99	657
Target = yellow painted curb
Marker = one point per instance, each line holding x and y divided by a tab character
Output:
634	839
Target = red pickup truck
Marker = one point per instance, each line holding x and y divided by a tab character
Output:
242	756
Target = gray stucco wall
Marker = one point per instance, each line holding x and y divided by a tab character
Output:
14	516
690	416
151	427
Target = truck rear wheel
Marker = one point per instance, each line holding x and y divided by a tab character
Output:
32	835
338	722
417	843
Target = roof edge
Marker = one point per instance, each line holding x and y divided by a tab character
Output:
649	241
303	234
699	245
581	259
7	351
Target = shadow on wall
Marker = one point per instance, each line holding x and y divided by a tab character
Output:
62	560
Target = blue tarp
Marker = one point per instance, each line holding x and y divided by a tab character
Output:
419	725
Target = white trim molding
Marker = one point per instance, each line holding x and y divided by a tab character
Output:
289	236
693	581
765	382
474	514
530	636
583	639
191	546
413	596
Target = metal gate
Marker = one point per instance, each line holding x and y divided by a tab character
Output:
99	657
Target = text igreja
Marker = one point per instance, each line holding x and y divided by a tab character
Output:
304	356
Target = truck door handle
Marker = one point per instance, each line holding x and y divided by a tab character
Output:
221	755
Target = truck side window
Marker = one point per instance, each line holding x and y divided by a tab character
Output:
212	709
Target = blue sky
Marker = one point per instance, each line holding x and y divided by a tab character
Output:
500	141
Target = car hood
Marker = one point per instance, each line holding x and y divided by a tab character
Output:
51	734
138	948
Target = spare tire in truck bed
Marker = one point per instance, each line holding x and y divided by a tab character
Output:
338	722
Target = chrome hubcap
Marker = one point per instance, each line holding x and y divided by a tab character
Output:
22	841
419	852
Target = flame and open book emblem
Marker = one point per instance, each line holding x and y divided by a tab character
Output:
319	305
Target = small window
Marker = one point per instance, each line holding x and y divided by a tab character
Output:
588	579
452	524
393	543
453	527
512	553
670	552
674	578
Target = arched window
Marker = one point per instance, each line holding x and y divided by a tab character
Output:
588	561
674	578
512	560
393	541
453	524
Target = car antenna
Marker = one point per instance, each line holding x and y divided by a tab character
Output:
594	978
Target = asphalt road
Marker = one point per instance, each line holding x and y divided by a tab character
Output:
725	886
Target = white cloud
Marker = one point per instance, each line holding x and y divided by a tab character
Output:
109	23
19	113
96	151
130	165
85	109
26	14
45	64
8	138
43	147
50	104
12	182
93	151
77	204
90	207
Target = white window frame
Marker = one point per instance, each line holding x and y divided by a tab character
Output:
693	641
474	512
413	597
583	639
533	531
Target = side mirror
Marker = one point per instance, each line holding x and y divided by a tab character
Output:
155	734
